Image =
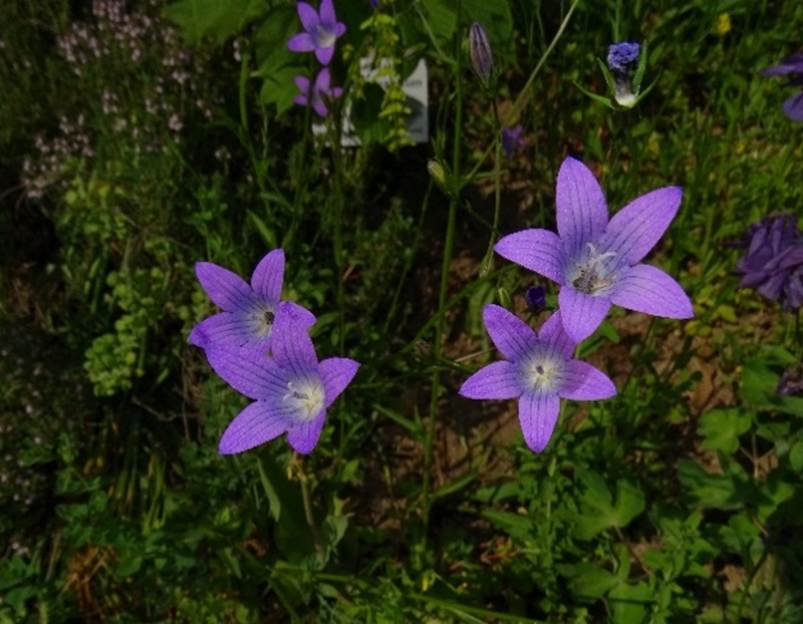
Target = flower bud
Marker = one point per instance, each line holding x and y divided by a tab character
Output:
622	61
482	59
437	172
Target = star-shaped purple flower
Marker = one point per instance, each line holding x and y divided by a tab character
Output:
321	91
538	369
248	311
793	67
291	390
321	31
598	262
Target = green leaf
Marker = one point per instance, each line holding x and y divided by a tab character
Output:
441	17
212	18
630	604
513	524
721	429
796	456
705	489
587	581
598	512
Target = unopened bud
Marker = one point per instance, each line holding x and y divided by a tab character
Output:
437	172
482	59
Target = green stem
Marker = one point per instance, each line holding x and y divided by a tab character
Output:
305	497
448	249
486	263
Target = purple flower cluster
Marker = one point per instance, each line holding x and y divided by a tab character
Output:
792	67
321	31
773	264
261	346
137	84
596	261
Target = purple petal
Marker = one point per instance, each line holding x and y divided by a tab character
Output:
248	373
301	100
267	278
538	414
647	289
793	107
224	329
791	65
290	342
583	382
635	229
324	55
336	373
581	314
498	380
253	426
512	336
308	16
335	92
226	289
327	12
301	42
534	249
319	107
553	334
581	208
304	437
302	82
340	29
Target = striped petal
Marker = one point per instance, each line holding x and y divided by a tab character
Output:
535	249
538	414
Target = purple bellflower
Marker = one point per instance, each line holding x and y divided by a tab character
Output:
291	390
248	311
773	264
321	30
597	262
321	91
538	370
793	67
622	61
512	140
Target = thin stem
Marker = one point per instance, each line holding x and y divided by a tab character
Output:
448	249
486	263
305	497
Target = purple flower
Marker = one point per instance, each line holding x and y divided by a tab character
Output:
773	264
597	262
512	140
248	311
479	49
291	390
538	369
321	31
792	66
791	382
623	56
321	91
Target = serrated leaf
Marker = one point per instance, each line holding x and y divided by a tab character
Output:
217	20
587	581
721	429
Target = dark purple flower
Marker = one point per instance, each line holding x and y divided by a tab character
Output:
597	262
536	298
291	390
482	59
773	264
321	31
623	56
512	140
622	61
538	370
793	67
321	91
248	311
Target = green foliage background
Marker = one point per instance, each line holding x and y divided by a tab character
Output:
677	501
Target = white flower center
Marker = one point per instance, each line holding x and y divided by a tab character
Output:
262	320
542	372
593	274
306	398
324	37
